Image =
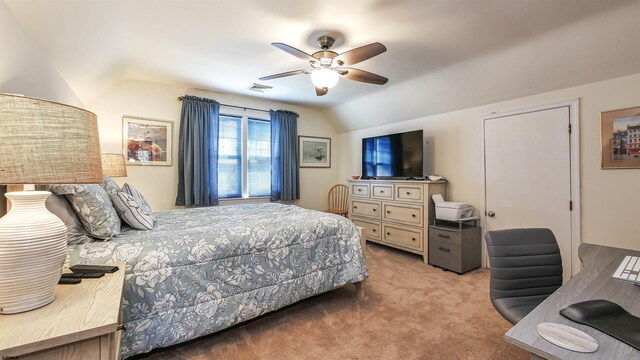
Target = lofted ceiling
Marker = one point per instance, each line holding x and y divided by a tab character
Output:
443	55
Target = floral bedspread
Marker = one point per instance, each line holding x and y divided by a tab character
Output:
205	269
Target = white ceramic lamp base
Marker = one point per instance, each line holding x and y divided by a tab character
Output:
33	249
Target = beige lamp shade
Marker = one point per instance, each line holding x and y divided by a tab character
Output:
43	142
113	165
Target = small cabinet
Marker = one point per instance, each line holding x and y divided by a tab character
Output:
454	248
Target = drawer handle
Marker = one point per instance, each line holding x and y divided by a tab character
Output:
122	327
408	193
443	236
355	207
443	249
359	190
374	230
414	239
388	233
413	215
374	210
388	212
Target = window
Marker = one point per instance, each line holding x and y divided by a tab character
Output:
230	157
259	157
244	157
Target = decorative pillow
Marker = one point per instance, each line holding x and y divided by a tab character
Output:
60	207
93	207
131	190
110	186
132	212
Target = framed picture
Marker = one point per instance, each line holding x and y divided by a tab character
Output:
147	141
620	138
314	152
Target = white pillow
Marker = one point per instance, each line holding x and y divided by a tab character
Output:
131	190
132	212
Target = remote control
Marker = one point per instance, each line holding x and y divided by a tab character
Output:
82	275
68	281
93	268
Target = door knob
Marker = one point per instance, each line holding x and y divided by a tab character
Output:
491	213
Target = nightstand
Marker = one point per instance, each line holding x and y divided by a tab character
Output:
83	322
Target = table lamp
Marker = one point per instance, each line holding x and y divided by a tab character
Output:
41	142
113	165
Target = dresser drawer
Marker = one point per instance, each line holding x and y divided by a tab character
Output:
360	190
405	237
365	208
371	229
408	192
445	255
382	191
444	235
407	214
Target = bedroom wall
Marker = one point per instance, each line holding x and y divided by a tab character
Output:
157	101
25	68
610	198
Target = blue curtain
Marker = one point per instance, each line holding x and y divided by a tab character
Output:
197	152
285	175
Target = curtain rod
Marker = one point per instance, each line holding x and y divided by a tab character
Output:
235	106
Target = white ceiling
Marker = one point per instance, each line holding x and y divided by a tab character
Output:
442	55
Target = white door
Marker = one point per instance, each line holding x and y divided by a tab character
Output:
528	174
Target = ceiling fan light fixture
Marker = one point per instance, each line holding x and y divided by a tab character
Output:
324	78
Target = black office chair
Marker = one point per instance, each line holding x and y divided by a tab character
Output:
526	267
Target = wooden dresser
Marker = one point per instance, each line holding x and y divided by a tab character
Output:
395	213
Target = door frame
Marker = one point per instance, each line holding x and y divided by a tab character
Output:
574	149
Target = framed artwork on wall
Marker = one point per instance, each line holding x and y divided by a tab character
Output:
147	141
620	138
314	152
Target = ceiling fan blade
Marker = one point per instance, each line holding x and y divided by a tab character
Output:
288	73
360	54
363	76
322	91
295	52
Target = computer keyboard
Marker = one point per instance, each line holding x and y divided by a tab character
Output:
629	269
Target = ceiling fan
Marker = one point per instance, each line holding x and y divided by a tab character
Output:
328	66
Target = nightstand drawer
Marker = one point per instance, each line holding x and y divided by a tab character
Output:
445	255
407	214
382	191
365	208
449	236
360	190
408	193
406	237
371	229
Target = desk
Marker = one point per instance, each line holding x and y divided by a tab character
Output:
593	282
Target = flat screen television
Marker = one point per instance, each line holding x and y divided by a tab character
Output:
393	156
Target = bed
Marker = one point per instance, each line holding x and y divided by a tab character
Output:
205	269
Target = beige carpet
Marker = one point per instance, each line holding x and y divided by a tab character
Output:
411	311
